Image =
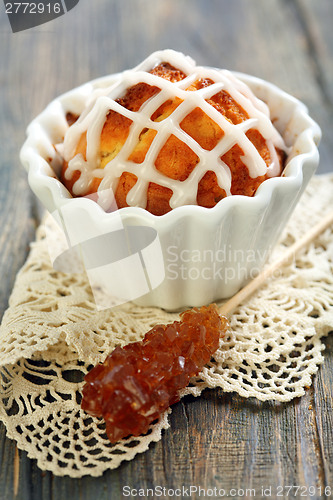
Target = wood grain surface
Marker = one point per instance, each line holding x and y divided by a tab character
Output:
218	440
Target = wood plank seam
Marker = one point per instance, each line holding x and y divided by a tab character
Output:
312	52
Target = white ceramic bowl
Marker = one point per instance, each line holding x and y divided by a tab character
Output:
209	254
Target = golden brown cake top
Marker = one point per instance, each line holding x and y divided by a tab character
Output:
168	126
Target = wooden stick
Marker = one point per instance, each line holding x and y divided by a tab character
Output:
245	292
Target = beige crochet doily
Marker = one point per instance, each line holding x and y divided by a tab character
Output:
52	333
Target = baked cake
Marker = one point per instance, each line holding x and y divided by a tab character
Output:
169	133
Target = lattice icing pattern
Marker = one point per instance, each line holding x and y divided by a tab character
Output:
163	123
52	334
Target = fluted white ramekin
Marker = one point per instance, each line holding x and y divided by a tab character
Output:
208	254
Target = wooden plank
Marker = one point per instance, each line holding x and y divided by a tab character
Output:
323	401
19	212
317	21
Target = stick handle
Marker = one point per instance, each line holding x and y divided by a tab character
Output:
245	292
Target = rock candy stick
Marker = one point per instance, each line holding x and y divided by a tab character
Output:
138	382
284	260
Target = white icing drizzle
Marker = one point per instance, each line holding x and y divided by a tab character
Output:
102	101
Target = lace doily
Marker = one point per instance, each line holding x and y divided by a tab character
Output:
52	333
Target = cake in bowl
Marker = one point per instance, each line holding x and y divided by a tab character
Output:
169	133
211	162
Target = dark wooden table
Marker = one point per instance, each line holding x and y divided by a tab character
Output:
218	440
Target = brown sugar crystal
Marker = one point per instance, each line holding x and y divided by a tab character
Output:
138	382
